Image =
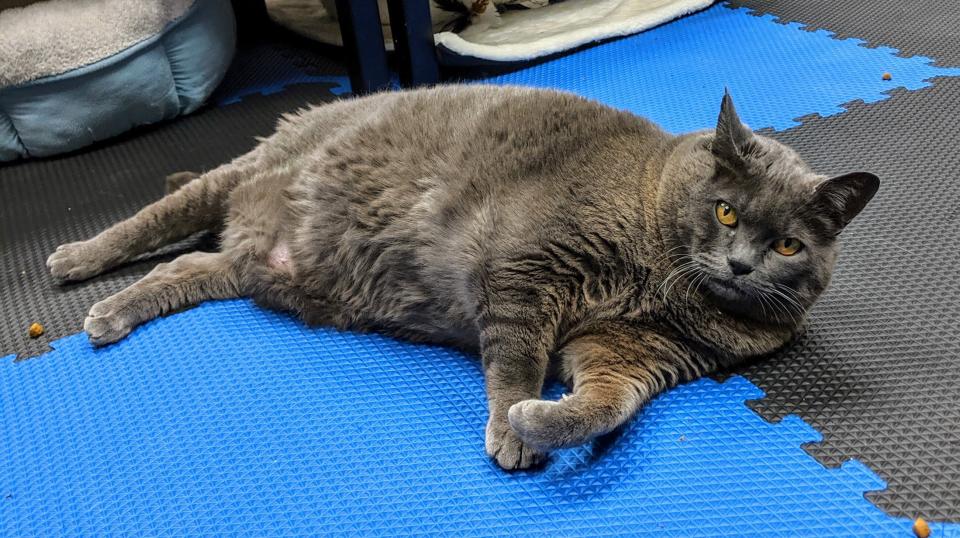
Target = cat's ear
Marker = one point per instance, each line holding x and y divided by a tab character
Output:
843	197
731	135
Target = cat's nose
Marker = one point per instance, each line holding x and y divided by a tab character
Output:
739	268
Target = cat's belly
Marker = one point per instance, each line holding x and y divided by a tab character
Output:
279	258
356	284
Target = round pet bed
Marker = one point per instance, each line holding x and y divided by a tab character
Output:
72	73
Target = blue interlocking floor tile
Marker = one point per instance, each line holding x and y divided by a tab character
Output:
229	419
675	74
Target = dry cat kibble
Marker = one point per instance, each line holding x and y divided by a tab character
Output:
35	330
920	528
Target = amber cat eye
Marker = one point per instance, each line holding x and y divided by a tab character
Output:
787	246
726	214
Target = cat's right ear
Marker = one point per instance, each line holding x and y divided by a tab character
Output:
731	136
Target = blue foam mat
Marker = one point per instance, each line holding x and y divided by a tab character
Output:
675	74
228	419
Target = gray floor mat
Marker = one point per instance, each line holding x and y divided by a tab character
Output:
923	27
47	202
878	373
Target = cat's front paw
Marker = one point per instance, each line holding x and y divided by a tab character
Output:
533	422
551	425
74	261
508	450
107	322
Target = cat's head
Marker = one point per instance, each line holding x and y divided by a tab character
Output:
756	228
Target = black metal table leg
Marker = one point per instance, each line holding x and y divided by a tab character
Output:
363	44
413	41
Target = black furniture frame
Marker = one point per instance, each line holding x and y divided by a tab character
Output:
363	43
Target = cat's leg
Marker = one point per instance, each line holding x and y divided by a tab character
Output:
516	334
514	371
185	281
194	206
173	182
615	371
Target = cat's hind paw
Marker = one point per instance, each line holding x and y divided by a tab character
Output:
106	323
74	261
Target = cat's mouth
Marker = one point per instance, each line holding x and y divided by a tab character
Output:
727	289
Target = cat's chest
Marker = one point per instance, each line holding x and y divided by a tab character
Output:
620	292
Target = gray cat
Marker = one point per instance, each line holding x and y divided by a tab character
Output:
551	234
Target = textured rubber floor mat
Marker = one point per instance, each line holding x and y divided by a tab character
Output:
923	27
228	419
270	67
675	74
879	370
44	203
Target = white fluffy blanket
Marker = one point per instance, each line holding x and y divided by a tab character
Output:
522	35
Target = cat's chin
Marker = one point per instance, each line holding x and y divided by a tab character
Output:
730	296
739	300
726	289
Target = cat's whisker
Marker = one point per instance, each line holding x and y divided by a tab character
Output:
783	302
678	277
669	276
792	303
676	272
703	279
668	254
775	301
786	288
686	295
688	269
670	282
790	293
699	278
763	303
796	300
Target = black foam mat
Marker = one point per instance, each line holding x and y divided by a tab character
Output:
923	27
878	372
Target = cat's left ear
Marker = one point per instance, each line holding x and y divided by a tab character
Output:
843	197
731	136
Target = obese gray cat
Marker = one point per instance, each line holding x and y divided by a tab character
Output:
549	233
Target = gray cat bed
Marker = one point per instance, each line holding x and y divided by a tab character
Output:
72	72
524	34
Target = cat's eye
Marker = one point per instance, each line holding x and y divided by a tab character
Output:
726	214
787	246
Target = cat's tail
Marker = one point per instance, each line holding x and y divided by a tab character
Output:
193	204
